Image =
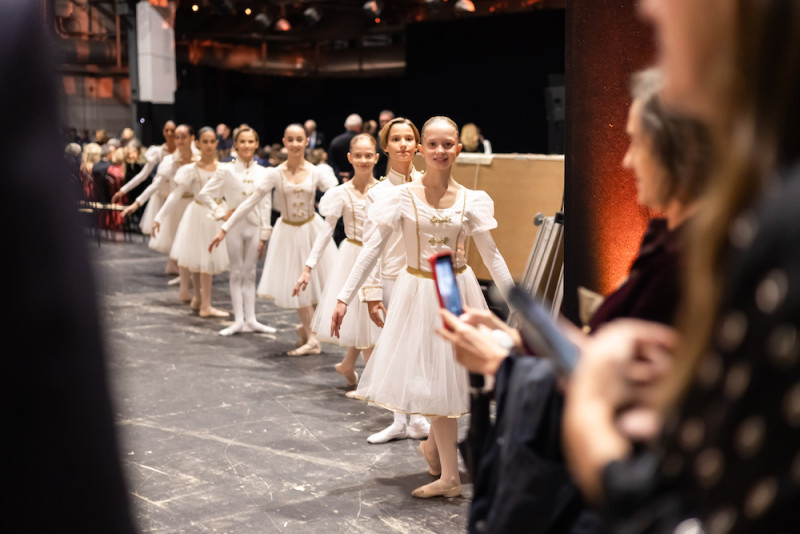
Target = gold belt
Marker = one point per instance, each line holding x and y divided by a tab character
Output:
200	203
300	223
187	195
356	242
419	273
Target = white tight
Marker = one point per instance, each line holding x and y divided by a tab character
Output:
242	242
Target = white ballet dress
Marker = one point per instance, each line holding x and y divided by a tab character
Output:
412	369
197	227
293	238
357	329
153	158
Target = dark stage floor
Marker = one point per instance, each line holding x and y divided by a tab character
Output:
231	435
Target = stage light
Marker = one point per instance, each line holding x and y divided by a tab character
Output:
248	11
283	25
464	5
373	8
311	15
195	7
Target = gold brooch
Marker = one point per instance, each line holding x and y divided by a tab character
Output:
436	219
439	240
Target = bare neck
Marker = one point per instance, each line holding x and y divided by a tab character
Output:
677	212
401	167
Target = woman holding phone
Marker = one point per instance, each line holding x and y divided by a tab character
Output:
412	370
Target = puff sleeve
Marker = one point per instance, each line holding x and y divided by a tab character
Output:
479	213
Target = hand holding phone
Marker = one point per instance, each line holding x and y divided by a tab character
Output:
444	275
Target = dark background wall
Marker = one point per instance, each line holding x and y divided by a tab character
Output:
489	70
606	43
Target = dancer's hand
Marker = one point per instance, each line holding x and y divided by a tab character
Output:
156	228
477	316
116	197
302	282
336	319
217	240
129	209
377	311
475	346
262	248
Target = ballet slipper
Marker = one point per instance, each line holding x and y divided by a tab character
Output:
351	394
390	433
211	311
302	333
235	328
352	376
255	326
436	489
418	427
434	465
308	348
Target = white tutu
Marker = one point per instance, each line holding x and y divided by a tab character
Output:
357	329
196	231
162	242
412	369
149	213
288	249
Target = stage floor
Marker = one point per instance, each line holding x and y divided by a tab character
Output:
231	435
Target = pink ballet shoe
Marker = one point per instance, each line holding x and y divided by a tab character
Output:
308	348
352	377
213	312
434	489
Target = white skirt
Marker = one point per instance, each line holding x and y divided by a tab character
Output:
196	231
357	328
149	213
288	250
412	368
162	242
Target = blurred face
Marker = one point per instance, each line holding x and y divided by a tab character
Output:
440	146
295	140
207	143
401	145
132	155
383	118
183	138
246	145
639	158
310	127
363	156
169	131
692	36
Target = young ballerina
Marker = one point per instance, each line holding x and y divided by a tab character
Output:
235	181
165	223
197	226
294	183
412	369
347	201
399	139
160	188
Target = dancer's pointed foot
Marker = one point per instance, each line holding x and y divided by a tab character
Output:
309	348
301	331
434	465
391	432
350	375
255	326
437	488
235	328
211	311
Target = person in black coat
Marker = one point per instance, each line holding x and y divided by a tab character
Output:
62	464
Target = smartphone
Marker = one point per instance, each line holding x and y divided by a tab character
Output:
541	333
444	275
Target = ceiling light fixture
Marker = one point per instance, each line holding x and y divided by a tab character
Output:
465	6
373	8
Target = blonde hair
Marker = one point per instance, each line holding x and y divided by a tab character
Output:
440	118
91	153
470	137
